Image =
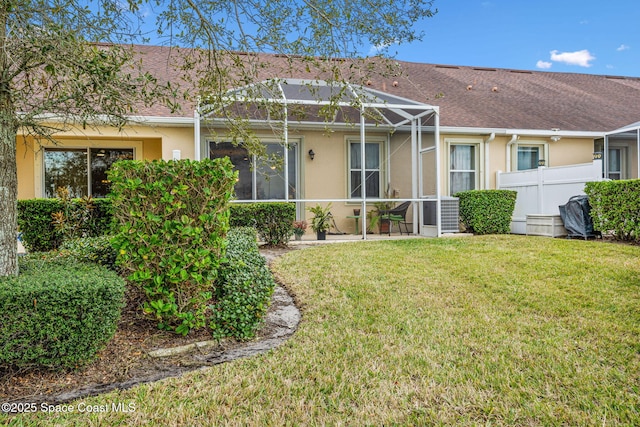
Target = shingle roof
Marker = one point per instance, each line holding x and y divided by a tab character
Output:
473	96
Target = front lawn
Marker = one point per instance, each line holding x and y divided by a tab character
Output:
507	330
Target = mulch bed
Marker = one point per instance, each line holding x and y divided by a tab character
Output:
123	363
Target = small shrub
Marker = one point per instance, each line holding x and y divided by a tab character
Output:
172	219
57	314
272	221
243	289
98	250
36	226
487	211
615	208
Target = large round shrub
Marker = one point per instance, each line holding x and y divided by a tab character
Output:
57	314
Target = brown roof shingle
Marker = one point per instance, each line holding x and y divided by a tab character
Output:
474	96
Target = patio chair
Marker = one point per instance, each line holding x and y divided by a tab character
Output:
397	215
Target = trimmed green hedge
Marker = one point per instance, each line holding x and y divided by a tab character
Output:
243	289
172	219
38	232
57	313
615	208
487	211
273	221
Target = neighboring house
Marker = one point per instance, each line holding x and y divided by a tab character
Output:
485	120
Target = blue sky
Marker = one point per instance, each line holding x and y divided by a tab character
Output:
577	36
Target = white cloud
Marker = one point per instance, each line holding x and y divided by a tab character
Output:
623	47
380	48
581	58
543	64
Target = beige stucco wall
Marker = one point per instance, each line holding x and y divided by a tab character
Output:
325	177
149	142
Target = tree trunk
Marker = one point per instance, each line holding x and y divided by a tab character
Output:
8	192
8	188
8	167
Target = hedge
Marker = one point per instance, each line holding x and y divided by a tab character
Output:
615	208
57	313
38	232
172	218
487	211
243	289
272	221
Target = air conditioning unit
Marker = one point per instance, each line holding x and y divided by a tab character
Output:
449	214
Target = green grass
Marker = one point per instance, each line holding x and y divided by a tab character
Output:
489	330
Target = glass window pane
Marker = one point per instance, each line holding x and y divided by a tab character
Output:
293	156
462	181
462	157
355	155
240	159
614	159
372	156
65	168
269	174
101	160
528	157
373	184
356	180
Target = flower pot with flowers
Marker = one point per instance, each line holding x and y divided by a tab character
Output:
299	228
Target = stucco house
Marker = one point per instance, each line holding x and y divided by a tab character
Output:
441	129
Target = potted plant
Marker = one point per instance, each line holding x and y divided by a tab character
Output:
299	228
383	223
320	220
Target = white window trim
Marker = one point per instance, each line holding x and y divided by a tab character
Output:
542	145
382	147
136	146
477	143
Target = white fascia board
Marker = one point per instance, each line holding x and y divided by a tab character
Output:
143	120
520	132
162	121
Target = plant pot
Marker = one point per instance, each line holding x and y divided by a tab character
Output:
321	235
384	225
356	212
298	237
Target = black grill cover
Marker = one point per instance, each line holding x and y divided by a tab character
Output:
576	217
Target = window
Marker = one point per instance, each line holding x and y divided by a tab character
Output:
258	178
528	157
373	155
463	166
81	171
617	160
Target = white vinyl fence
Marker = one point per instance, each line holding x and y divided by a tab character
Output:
542	190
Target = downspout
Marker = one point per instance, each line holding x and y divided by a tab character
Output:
196	133
514	138
487	177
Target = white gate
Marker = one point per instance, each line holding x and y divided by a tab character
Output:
542	190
